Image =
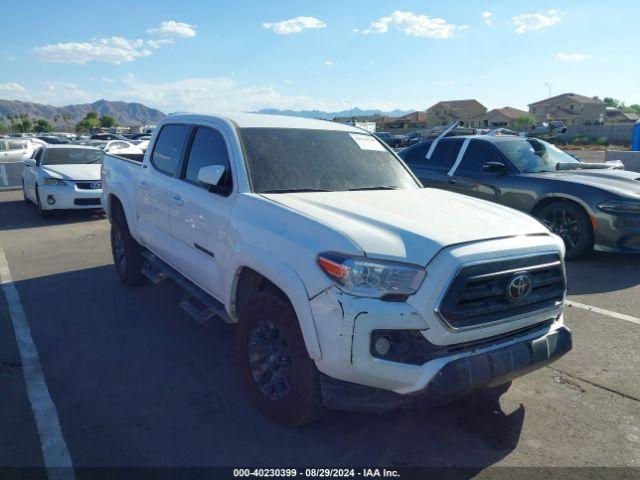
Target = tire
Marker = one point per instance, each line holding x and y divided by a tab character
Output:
572	224
43	213
127	253
270	346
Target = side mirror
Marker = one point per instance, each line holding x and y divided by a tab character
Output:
494	167
29	162
210	176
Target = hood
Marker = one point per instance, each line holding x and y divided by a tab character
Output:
410	225
621	182
83	171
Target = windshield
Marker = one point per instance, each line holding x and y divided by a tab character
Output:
72	156
288	159
532	155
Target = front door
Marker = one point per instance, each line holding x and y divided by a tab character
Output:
200	218
469	177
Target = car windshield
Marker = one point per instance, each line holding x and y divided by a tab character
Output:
290	159
97	143
532	155
72	156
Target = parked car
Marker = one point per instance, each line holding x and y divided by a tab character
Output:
115	147
107	136
53	140
352	286
14	149
588	205
63	177
142	144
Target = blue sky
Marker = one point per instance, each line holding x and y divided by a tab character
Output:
243	55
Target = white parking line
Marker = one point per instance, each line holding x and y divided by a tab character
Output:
54	449
609	313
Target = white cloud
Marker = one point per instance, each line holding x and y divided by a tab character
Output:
415	25
572	57
448	83
208	95
115	50
535	21
488	18
156	44
294	25
173	29
106	79
11	87
329	63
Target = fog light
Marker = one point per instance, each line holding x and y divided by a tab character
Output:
382	346
51	200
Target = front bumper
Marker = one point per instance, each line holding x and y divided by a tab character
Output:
617	233
69	197
505	360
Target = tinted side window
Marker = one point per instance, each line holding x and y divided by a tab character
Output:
3	146
415	155
169	147
478	153
15	145
208	148
444	154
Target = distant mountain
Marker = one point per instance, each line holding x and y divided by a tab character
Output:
356	112
125	113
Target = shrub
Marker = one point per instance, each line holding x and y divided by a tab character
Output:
602	141
581	140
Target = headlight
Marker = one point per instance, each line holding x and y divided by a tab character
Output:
371	278
53	182
620	206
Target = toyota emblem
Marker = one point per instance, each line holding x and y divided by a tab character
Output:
519	287
95	186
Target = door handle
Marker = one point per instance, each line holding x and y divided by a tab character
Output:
142	184
451	181
178	200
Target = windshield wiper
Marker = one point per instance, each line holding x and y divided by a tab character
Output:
294	190
376	187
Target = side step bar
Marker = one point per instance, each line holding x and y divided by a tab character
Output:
196	302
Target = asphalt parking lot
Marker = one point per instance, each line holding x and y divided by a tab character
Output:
136	382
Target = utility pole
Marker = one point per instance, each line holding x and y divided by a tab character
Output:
549	86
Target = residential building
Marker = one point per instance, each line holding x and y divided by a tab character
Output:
499	118
570	108
615	116
448	111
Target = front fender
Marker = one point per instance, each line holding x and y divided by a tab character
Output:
286	279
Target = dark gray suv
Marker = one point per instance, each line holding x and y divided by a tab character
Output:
588	205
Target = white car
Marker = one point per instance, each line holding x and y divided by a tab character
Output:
115	147
63	177
352	286
15	149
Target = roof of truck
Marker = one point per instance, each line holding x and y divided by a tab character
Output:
263	120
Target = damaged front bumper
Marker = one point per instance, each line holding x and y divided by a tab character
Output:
355	377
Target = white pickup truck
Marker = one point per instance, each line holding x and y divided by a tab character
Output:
351	285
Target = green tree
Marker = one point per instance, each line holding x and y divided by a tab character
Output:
25	125
42	126
107	121
525	121
89	121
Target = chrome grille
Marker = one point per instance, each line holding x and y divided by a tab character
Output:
478	293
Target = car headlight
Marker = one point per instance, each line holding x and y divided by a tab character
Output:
364	277
620	206
53	182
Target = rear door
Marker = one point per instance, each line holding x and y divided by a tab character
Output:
17	151
200	218
432	172
470	178
154	189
